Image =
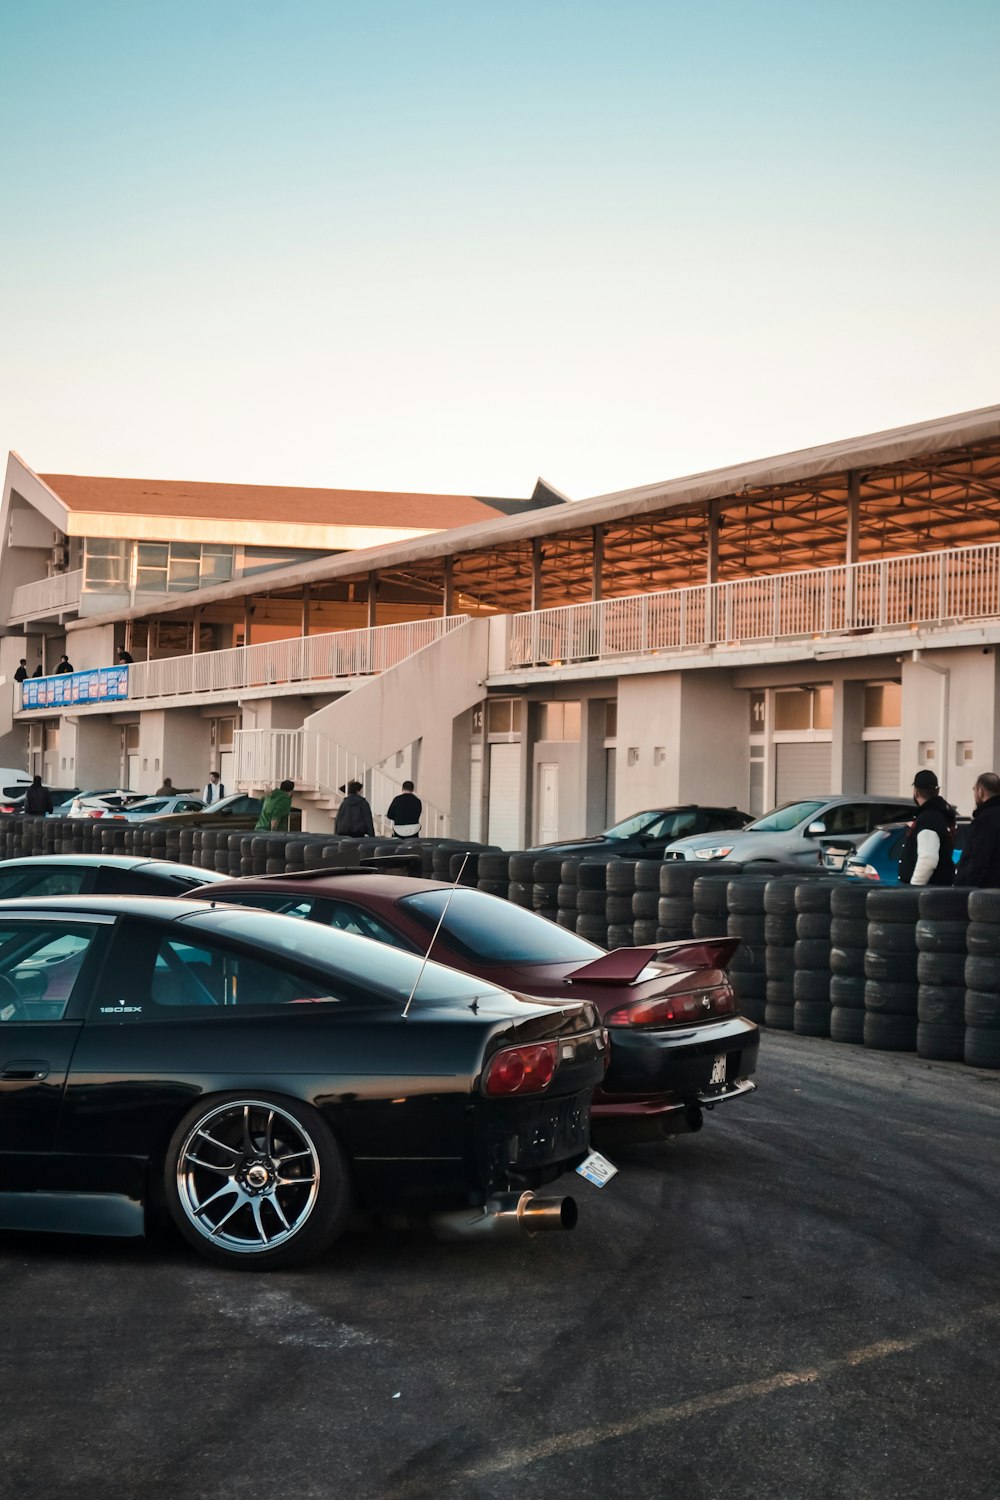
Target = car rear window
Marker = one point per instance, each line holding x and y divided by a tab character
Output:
492	931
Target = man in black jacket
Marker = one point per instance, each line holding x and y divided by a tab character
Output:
37	799
980	862
930	839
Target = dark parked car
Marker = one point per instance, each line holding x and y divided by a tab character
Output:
98	875
237	812
677	1041
263	1076
645	835
13	797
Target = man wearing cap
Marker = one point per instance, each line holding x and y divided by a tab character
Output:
927	849
980	862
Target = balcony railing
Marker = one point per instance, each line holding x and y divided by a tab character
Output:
47	595
312	658
960	583
264	757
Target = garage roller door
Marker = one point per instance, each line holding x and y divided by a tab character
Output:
803	771
505	795
882	768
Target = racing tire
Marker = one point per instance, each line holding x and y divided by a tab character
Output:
812	953
779	897
647	875
941	968
621	877
984	906
813	896
892	937
276	1223
779	963
745	895
983	938
521	867
592	903
938	936
982	1047
677	877
672	911
565	895
847	1025
569	872
886	998
643	932
753	1007
499	888
544	897
982	972
898	903
896	968
749	927
519	894
706	924
811	1017
780	992
645	906
848	932
548	871
944	903
566	919
850	899
890	1033
941	1005
941	1042
592	927
813	924
620	935
780	1017
494	867
592	875
982	1009
812	986
748	983
779	930
848	991
709	894
618	910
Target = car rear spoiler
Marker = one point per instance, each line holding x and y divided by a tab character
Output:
622	965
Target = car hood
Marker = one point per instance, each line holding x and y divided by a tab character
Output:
733	836
595	841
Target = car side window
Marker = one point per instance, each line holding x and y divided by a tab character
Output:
349	918
49	880
717	820
877	815
159	975
188	807
40	963
848	817
286	906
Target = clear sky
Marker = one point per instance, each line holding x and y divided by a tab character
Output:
452	246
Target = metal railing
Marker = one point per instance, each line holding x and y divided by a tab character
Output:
47	595
312	658
263	757
927	588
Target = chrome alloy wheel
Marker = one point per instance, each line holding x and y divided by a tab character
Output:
248	1176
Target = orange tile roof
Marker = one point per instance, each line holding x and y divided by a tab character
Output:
259	502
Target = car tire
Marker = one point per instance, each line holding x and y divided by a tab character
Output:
898	904
890	1033
621	877
850	899
944	903
647	875
940	1041
811	1018
749	927
745	895
983	937
779	897
847	991
565	895
935	935
779	930
677	877
675	911
941	1005
707	924
941	968
813	924
592	875
894	967
619	935
847	1024
812	986
645	905
813	896
644	932
812	953
709	894
984	906
547	871
592	903
315	1203
501	887
887	998
780	992
780	1017
779	963
847	961
892	937
849	932
982	1009
618	909
593	928
982	972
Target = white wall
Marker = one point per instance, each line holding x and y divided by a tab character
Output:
699	723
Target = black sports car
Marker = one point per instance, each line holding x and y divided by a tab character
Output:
645	835
262	1076
99	875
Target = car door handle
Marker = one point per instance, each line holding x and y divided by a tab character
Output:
28	1067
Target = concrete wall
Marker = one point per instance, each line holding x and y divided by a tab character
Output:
954	711
682	737
419	699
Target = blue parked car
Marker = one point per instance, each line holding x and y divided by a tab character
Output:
878	857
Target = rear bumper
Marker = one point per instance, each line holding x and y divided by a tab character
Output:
657	1072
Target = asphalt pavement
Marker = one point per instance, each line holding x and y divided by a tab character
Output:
801	1301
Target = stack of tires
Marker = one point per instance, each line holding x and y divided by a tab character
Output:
811	981
618	908
891	969
942	927
521	878
492	876
591	901
675	908
982	978
708	897
546	874
779	957
646	902
848	942
566	894
745	920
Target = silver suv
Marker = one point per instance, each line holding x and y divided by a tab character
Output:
796	831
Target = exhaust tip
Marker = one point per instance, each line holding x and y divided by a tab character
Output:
548	1214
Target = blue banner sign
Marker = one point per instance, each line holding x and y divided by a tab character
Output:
69	689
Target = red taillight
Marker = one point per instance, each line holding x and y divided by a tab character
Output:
694	1005
522	1070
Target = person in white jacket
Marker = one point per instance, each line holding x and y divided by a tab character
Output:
214	790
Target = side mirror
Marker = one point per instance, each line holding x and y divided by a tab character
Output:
225	811
815	828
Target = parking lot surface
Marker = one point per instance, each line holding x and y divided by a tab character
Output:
801	1301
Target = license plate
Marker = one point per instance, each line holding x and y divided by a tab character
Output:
597	1169
718	1071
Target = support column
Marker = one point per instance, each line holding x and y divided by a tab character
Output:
536	573
372	592
597	580
448	594
247	620
306	601
851	543
713	520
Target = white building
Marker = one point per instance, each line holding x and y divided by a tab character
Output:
822	621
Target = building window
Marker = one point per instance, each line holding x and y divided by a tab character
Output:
559	721
504	715
178	567
803	708
883	705
105	565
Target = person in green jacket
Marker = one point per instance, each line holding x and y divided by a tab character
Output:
276	809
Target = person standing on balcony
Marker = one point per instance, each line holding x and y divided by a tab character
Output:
980	862
38	671
37	799
213	791
404	813
22	672
927	849
277	809
64	664
354	815
125	659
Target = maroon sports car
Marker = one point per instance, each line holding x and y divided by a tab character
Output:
678	1043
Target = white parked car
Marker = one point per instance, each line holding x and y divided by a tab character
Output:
159	807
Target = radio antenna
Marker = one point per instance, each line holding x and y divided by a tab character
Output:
430	945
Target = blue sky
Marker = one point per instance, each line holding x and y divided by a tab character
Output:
450	247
